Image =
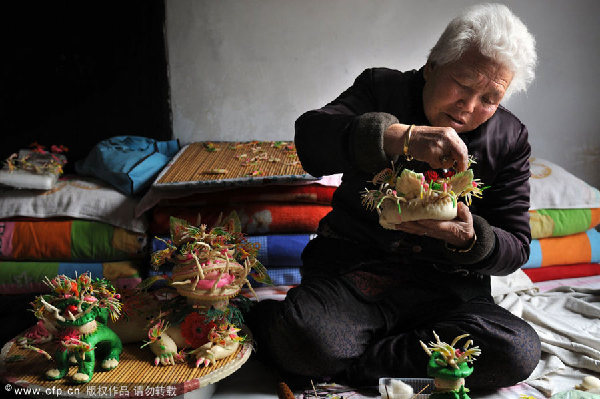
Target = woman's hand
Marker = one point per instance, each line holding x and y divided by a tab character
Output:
458	232
440	147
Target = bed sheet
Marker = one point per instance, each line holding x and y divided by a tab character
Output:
566	316
254	380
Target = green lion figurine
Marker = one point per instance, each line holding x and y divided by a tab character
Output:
77	311
449	367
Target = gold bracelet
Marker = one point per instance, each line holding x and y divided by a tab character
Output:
470	247
406	142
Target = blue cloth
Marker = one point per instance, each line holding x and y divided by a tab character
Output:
129	163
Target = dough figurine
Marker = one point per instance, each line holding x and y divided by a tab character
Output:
199	311
449	366
416	196
76	311
589	384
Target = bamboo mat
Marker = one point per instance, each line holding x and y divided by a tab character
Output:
223	163
135	376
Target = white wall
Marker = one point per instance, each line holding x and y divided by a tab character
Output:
246	69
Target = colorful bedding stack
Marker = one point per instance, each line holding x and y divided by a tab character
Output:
278	208
564	219
80	225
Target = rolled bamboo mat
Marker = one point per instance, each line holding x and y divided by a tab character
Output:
135	376
215	163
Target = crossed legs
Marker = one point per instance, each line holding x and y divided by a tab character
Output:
324	328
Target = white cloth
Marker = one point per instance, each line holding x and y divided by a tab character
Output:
567	320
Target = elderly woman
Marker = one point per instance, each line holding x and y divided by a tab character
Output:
368	295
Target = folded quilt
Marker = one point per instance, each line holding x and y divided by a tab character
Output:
281	250
68	240
28	277
309	193
563	271
571	249
562	222
74	197
156	195
255	218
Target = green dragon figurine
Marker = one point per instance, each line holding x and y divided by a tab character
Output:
449	366
78	310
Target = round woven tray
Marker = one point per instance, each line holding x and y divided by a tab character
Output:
135	376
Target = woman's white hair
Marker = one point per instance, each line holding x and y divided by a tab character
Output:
498	34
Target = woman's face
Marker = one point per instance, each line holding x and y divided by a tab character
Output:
465	93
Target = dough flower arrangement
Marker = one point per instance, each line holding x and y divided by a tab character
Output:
210	266
449	366
408	195
75	314
39	160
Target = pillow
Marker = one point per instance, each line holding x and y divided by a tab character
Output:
571	249
562	222
74	197
552	187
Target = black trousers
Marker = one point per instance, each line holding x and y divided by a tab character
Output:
326	327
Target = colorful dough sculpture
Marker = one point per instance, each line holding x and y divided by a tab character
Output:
416	196
449	366
77	311
203	316
198	314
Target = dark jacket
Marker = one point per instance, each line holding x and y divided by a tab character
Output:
346	136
